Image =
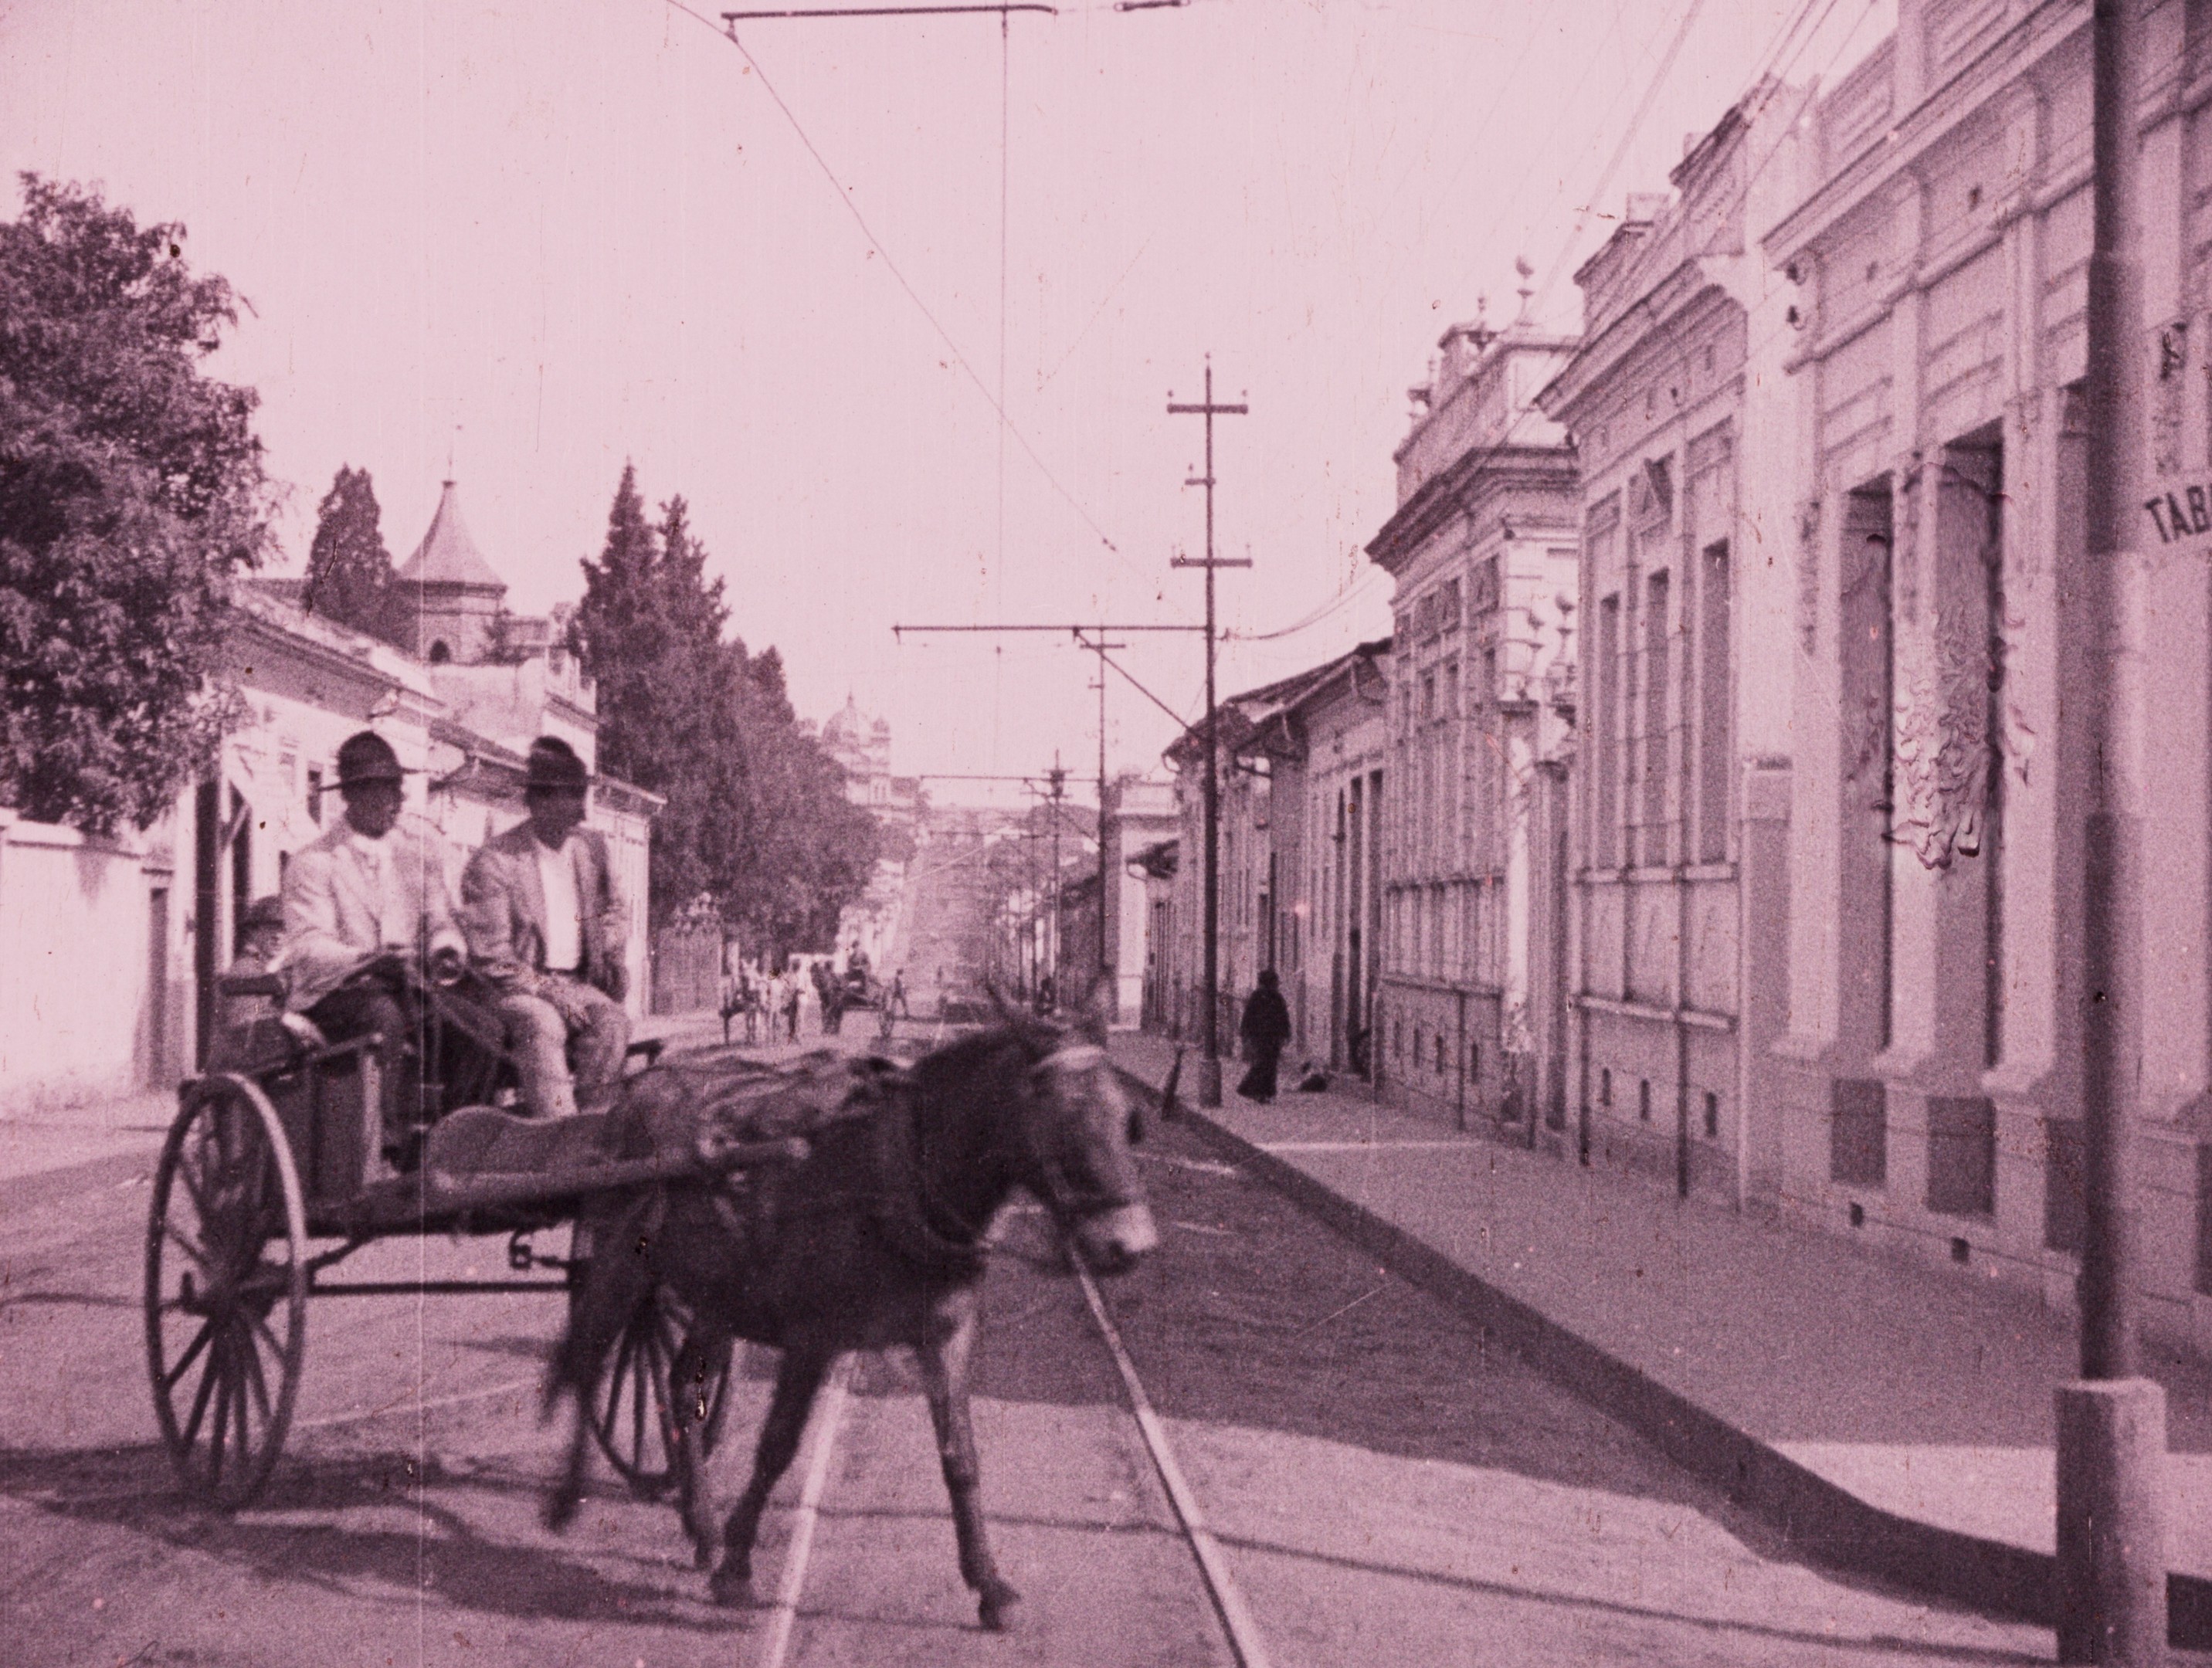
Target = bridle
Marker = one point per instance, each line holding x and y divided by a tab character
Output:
925	1230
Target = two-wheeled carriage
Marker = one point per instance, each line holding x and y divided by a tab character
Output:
275	1172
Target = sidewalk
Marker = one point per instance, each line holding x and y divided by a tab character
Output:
1890	1418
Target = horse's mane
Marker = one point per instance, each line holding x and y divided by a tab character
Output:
964	1056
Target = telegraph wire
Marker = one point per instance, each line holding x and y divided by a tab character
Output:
1312	619
899	275
1621	151
1772	64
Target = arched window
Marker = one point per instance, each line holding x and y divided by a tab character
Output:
440	654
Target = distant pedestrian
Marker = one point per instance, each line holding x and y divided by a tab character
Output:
1265	1031
794	993
896	1000
733	1000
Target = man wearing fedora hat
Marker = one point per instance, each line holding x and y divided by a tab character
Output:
366	889
545	926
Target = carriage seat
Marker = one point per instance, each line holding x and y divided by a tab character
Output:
258	1036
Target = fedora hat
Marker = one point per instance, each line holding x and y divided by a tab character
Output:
553	765
365	756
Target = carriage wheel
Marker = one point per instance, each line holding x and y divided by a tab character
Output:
225	1290
635	1408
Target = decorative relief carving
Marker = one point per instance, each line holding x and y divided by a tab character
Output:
1949	683
1941	782
2165	397
1808	576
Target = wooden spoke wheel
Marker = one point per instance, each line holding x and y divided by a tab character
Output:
653	1389
225	1290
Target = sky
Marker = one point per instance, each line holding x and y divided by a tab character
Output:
796	276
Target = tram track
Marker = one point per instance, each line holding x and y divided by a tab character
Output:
1239	1629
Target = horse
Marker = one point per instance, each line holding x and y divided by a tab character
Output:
877	1237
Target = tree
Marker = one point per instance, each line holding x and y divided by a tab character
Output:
131	491
757	816
350	578
648	631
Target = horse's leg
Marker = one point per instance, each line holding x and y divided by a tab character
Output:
616	1281
699	1363
797	1378
944	1358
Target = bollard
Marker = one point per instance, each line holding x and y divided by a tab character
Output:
2111	1523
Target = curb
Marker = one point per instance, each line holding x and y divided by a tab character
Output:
1826	1522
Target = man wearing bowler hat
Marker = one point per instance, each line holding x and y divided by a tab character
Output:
545	927
365	889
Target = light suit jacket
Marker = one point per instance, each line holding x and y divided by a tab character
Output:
503	910
334	917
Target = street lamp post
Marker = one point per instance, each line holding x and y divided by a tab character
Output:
2111	1423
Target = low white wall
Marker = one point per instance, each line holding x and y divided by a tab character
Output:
75	1021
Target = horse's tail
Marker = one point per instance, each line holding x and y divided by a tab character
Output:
615	1277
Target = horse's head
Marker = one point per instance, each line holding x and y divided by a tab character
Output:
1075	1147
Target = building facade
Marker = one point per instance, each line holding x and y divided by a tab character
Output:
1483	549
1328	753
1682	416
1928	1079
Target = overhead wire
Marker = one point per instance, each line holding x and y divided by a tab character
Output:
1621	151
1520	418
1313	617
1008	426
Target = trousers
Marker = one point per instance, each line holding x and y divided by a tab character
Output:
563	1019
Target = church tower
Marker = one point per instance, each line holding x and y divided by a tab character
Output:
448	593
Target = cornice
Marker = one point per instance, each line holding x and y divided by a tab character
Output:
1465	487
2023	48
1675	297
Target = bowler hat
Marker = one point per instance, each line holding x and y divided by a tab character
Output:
365	756
554	765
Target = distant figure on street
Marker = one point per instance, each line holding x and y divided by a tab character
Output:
1265	1031
794	994
896	1001
1044	994
736	1000
831	996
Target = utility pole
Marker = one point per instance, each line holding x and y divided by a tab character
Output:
1092	639
2111	1423
1209	1064
1057	777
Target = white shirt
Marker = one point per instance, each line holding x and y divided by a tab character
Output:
390	904
564	928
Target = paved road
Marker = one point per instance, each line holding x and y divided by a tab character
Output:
1389	1490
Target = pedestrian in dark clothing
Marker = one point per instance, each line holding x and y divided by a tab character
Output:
1265	1031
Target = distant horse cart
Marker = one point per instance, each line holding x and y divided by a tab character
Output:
818	1208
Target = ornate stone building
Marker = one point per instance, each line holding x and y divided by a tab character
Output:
1483	548
1683	417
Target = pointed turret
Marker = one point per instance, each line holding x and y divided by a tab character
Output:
450	591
